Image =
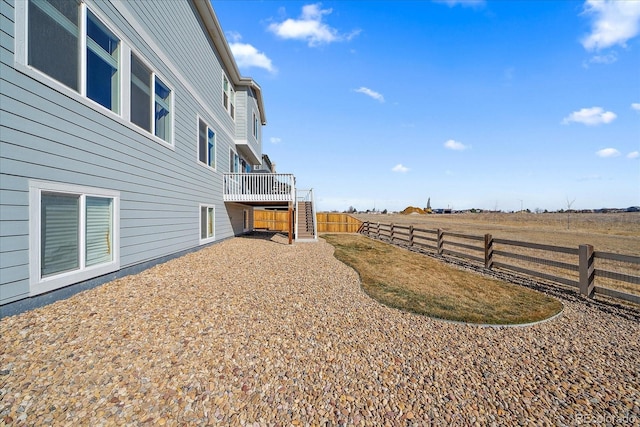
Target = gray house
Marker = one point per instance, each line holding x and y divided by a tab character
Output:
127	137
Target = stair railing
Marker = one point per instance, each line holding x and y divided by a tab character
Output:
306	196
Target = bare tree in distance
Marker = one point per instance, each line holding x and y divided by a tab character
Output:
569	203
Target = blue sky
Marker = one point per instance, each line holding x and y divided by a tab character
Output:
474	104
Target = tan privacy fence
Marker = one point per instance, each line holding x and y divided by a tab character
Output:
327	222
337	223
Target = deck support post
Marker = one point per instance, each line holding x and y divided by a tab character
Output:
290	224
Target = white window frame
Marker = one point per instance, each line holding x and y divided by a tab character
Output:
232	163
154	75
21	56
213	234
125	51
39	284
231	97
255	126
215	144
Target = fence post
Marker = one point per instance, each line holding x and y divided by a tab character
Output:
378	231
411	235
586	269
440	241
391	232
488	251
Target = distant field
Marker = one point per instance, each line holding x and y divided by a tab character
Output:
618	233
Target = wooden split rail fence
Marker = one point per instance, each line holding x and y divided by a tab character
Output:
575	267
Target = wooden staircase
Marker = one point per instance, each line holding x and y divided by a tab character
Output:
306	229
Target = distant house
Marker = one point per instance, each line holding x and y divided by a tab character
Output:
127	134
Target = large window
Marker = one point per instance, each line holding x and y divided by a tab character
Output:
206	144
57	40
74	232
70	43
207	221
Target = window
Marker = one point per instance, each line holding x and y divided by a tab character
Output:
228	97
207	221
206	144
141	79
74	232
162	123
66	41
53	40
234	162
255	126
143	103
56	40
103	78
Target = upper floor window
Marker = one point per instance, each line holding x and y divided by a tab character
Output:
256	126
141	83
57	41
228	97
234	162
206	144
162	121
150	110
66	41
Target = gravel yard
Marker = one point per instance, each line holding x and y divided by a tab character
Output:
253	331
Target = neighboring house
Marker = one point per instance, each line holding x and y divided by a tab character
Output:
126	132
266	166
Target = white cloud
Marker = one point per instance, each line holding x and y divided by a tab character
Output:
633	155
275	140
464	3
400	168
609	58
590	116
372	93
455	145
635	106
608	152
594	177
248	56
233	36
614	22
310	28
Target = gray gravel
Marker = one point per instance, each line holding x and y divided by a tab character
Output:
255	332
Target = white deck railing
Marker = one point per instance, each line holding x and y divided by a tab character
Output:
259	187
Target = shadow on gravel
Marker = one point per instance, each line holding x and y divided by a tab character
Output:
277	237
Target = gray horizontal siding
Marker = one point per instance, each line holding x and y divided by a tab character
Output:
51	136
